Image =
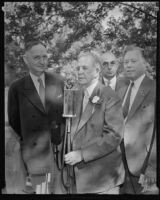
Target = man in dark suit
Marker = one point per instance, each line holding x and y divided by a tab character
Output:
35	106
96	133
139	116
109	72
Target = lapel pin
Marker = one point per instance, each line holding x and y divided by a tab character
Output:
142	92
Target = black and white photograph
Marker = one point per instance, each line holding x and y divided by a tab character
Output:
80	100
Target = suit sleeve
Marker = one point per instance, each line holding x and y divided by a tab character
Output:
13	110
112	132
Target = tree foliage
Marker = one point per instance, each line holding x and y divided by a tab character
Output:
70	27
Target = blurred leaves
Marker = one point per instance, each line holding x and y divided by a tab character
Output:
69	27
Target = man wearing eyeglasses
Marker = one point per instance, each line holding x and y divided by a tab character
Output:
109	72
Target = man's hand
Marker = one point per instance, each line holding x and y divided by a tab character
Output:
73	157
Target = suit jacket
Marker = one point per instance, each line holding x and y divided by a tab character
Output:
139	127
33	123
97	132
120	82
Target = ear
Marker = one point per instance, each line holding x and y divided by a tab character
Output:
25	59
147	65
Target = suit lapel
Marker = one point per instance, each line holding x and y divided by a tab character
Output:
78	109
142	92
89	110
121	92
32	94
48	83
102	80
54	93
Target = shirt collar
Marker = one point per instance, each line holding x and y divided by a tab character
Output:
92	86
112	81
138	81
35	78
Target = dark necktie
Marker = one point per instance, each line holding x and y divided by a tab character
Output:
127	102
41	91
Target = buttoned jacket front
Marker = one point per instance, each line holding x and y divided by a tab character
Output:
32	122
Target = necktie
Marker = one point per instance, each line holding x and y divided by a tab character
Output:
85	99
107	82
127	102
41	91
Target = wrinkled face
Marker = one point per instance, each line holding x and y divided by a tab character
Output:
87	70
134	64
109	66
36	59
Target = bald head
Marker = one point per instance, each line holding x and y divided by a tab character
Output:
95	59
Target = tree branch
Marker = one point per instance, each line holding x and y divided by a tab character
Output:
139	10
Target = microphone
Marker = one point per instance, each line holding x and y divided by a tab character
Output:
55	133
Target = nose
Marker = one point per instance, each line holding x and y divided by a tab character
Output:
109	66
80	71
42	61
128	65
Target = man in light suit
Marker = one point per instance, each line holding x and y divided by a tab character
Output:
109	72
35	106
96	133
139	118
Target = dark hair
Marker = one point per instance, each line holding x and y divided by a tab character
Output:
30	44
132	48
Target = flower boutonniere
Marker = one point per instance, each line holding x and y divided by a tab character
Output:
96	100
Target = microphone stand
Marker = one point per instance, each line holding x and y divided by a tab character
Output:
68	113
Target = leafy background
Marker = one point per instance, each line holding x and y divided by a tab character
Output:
70	27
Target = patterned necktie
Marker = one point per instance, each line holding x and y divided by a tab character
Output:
41	91
127	102
85	99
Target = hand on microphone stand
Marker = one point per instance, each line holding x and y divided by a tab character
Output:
73	157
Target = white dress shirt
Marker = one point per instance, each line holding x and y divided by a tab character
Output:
134	91
88	92
91	87
35	80
112	83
